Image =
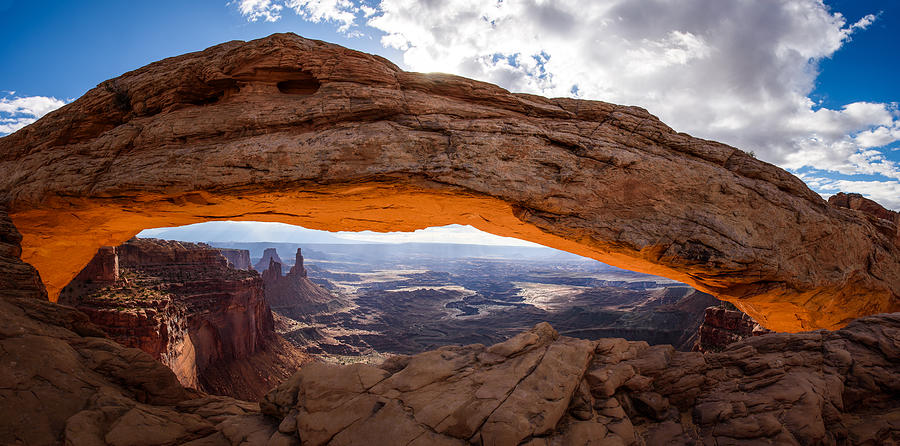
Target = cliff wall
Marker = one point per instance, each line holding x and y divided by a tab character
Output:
238	258
186	306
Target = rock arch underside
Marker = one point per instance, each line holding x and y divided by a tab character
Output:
309	133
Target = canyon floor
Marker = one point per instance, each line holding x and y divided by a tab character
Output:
410	298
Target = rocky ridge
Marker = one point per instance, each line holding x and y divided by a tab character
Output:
539	388
187	307
304	132
64	382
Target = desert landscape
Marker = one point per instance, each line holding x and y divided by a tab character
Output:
652	288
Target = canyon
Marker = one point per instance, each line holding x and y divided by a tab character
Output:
349	300
187	307
109	340
66	382
304	132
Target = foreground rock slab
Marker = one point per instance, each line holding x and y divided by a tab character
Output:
539	388
305	132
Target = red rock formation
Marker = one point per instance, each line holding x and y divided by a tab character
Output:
887	221
722	327
304	132
237	258
65	383
865	205
294	295
103	268
183	304
539	388
269	255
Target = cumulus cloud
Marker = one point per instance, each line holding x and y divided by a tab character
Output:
740	72
737	72
886	193
17	112
340	12
255	10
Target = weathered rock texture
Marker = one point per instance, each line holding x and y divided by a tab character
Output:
187	307
722	327
305	132
542	389
293	294
238	258
269	255
64	382
864	205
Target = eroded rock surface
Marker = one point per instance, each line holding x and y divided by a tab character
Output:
539	388
305	132
293	294
722	327
269	255
185	305
64	382
238	258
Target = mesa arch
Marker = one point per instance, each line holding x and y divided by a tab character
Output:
304	132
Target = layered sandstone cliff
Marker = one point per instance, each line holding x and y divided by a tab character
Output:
309	133
187	307
237	258
66	383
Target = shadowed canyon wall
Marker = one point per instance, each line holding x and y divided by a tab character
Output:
303	132
185	305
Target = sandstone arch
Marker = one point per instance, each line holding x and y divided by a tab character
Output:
305	132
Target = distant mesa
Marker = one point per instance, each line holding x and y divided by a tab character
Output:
237	258
269	255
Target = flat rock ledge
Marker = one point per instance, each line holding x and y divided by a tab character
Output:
539	388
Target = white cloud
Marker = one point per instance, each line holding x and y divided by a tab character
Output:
255	10
864	22
340	12
737	72
17	112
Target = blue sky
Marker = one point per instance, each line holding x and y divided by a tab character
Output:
806	85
